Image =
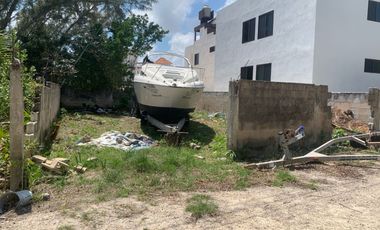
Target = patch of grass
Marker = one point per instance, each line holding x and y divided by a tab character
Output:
201	205
282	177
163	169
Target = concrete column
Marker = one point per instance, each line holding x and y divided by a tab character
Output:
374	103
16	127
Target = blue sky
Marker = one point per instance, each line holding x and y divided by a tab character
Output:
180	17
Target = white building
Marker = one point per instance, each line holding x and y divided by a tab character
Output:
329	42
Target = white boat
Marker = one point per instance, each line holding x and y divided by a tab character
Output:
166	91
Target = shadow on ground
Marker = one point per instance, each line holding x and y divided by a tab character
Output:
197	132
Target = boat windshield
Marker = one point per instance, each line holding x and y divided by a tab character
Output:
169	66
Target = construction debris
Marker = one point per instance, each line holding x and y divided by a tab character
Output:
56	165
346	120
316	156
118	140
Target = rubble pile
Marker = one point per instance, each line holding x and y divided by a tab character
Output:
347	120
118	140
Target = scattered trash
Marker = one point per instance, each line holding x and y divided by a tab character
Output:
45	196
80	169
217	115
16	200
100	111
195	146
222	159
346	120
92	159
200	157
56	165
126	142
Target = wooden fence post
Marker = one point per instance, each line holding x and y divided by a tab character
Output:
16	127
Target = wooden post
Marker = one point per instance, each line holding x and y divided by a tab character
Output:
16	127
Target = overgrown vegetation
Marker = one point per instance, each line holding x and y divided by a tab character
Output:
201	205
29	85
162	169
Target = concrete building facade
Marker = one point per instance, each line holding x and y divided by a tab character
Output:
334	43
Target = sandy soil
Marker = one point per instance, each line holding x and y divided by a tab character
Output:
348	197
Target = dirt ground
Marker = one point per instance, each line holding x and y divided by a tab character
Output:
345	196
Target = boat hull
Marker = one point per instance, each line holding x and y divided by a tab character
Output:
166	103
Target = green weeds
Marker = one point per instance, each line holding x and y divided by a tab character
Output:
201	205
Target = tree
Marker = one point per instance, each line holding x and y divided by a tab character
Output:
81	42
7	11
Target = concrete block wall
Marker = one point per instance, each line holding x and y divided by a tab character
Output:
259	110
74	99
356	102
42	121
213	102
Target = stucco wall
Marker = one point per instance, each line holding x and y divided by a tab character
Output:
344	38
206	58
290	49
259	110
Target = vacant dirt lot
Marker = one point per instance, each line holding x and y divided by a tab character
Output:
342	196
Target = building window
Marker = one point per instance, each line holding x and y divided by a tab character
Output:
212	49
196	59
372	66
374	11
246	73
249	28
264	72
266	25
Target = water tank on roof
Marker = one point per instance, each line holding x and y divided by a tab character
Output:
206	14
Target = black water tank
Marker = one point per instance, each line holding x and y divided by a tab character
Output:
206	14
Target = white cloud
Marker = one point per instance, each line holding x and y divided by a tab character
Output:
179	41
171	15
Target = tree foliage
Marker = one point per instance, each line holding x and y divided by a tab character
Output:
29	84
84	44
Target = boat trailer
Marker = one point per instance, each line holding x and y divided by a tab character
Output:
289	137
172	132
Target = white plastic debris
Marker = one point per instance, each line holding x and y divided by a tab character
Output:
126	142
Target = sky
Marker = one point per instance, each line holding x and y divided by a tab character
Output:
180	17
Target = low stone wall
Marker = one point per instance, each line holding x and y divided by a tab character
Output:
213	102
259	110
356	102
48	108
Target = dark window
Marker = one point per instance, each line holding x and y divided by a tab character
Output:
374	11
266	25
249	28
196	59
212	49
264	72
246	73
372	66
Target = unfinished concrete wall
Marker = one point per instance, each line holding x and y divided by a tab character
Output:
41	122
374	103
356	102
259	110
213	102
74	99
